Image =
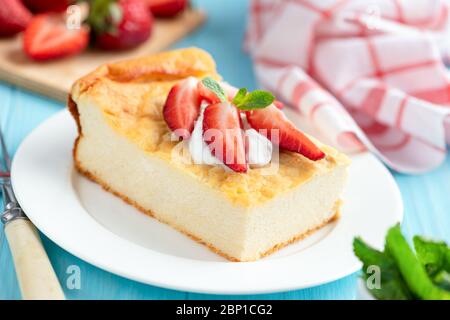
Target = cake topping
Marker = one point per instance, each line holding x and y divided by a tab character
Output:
243	99
199	150
182	107
258	147
257	99
211	91
222	131
232	127
289	137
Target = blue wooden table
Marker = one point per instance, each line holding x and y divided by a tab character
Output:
426	197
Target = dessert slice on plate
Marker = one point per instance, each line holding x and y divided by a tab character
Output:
225	167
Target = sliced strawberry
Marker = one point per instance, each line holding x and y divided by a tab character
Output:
207	94
223	133
14	17
47	37
182	107
290	138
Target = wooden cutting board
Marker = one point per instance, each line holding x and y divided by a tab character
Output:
54	78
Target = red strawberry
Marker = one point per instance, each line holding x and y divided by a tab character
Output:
182	107
166	8
223	134
47	5
207	94
47	37
290	138
14	17
120	24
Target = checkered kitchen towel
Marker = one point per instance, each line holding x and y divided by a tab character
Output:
369	74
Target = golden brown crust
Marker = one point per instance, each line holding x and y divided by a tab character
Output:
164	66
127	200
71	105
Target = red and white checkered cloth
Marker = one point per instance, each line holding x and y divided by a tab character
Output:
369	74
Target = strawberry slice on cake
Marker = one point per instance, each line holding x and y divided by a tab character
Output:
182	107
289	136
222	131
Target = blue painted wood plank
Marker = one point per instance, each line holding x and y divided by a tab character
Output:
426	197
427	201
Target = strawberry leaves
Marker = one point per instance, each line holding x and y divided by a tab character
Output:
243	100
104	15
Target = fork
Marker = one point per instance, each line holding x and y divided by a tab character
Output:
35	274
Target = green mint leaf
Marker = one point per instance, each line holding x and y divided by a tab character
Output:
433	255
411	269
215	87
405	274
435	258
442	280
257	99
240	96
392	286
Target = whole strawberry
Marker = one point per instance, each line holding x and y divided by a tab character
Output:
166	8
14	17
121	24
47	5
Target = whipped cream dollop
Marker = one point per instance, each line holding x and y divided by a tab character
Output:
259	147
199	150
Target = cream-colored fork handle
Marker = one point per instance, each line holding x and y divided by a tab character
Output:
37	279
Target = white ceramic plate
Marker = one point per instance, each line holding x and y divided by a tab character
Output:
97	227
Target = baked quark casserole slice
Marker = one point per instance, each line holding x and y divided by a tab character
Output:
128	114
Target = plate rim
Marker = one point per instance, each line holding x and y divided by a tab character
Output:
64	115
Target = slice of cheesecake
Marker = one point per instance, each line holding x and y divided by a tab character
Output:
125	145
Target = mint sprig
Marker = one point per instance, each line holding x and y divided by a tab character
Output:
257	99
392	286
240	96
215	87
405	274
243	100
